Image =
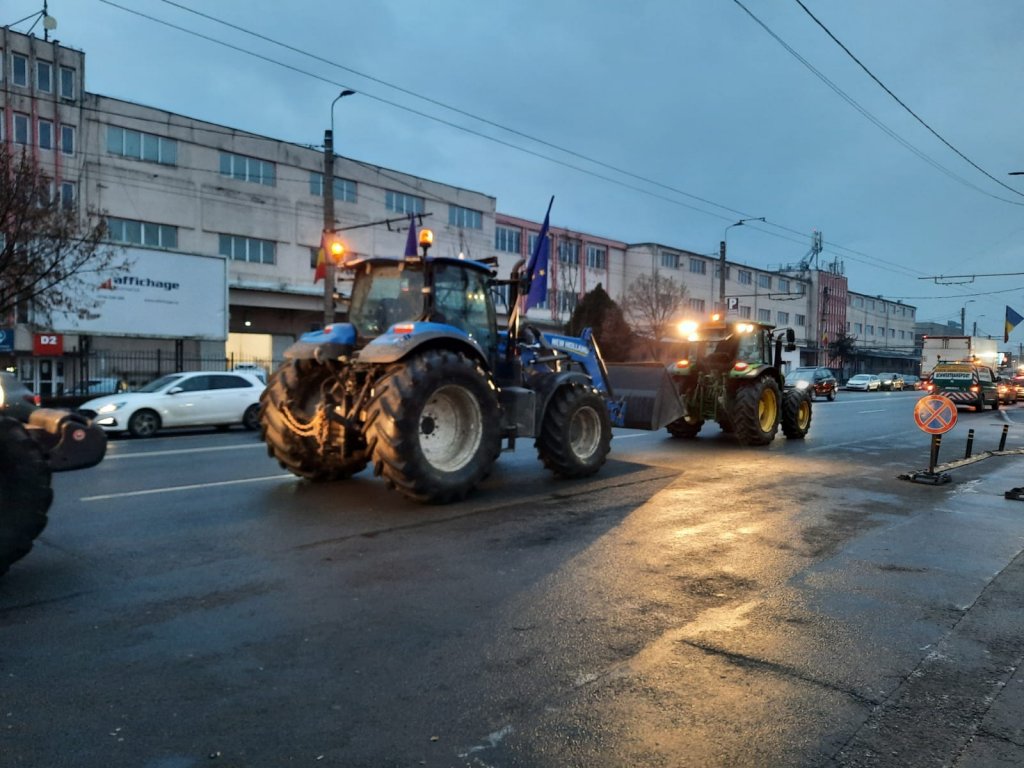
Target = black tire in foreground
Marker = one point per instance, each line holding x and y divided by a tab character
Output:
432	427
796	414
25	492
296	430
755	412
576	435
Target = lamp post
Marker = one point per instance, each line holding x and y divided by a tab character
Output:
963	317
721	259
329	212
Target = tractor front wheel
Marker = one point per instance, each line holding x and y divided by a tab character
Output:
25	492
433	426
796	414
576	435
294	424
755	413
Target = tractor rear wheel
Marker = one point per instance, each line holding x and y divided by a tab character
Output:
685	427
293	425
755	412
796	414
433	426
25	492
576	435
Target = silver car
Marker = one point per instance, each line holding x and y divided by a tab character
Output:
865	382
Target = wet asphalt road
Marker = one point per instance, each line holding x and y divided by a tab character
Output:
695	604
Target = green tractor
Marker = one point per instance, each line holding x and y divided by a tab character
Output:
731	373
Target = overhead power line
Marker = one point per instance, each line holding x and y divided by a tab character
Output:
899	101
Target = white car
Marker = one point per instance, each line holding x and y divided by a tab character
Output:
866	382
194	399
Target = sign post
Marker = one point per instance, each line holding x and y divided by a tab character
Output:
935	415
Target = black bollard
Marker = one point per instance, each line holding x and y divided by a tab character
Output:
1002	440
933	458
970	443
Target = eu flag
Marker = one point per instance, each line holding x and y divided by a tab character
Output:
1012	321
410	241
537	266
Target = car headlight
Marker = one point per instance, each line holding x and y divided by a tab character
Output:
110	407
803	383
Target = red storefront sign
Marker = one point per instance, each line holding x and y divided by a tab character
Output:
48	344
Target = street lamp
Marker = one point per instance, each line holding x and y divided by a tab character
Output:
329	263
721	259
963	316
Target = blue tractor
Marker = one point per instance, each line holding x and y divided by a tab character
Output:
420	382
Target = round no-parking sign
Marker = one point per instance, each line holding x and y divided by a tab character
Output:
935	414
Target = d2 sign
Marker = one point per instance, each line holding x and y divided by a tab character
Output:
48	344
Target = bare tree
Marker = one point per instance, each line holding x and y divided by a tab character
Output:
652	303
50	255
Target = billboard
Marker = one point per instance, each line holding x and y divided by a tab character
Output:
162	294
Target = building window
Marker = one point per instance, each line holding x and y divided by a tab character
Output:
869	330
67	139
799	321
344	189
19	70
67	195
506	239
466	218
858	302
783	285
697	305
567	301
744	277
44	76
141	146
21	134
670	260
568	252
764	315
718	271
244	168
45	134
782	318
67	83
400	202
745	312
903	335
597	257
764	281
858	328
147	233
698	266
251	249
892	333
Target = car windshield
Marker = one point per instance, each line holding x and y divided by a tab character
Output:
800	374
860	377
157	384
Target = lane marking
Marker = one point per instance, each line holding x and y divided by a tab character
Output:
194	487
179	451
876	410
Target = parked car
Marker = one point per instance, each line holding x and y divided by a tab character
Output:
865	382
102	386
891	381
16	399
1006	391
910	381
257	370
820	382
194	399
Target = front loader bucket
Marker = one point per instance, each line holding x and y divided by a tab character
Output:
645	394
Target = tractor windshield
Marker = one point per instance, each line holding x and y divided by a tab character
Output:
384	295
461	299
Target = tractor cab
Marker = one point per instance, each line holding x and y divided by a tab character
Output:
721	346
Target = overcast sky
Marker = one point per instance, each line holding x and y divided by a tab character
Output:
649	120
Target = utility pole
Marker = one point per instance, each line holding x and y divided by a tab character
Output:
328	224
721	275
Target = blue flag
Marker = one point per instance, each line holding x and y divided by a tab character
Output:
1012	321
410	241
537	266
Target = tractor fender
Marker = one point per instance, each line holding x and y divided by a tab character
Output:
547	384
391	347
334	342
